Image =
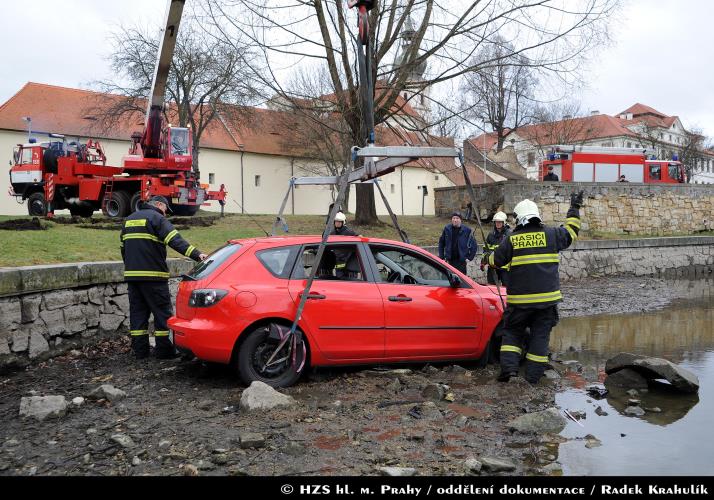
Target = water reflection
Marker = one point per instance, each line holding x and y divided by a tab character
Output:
669	441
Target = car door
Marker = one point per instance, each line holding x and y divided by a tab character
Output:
345	313
425	318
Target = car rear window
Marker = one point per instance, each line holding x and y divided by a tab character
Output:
278	260
213	261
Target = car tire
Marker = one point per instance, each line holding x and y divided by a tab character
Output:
257	348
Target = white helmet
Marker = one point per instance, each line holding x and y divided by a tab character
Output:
525	211
340	217
500	217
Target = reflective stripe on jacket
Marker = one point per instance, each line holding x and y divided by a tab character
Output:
495	237
532	253
143	239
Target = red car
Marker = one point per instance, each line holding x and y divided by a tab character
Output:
373	301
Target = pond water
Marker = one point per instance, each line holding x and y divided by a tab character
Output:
674	441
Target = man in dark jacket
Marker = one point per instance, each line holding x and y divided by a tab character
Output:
341	228
456	245
551	176
342	256
501	231
144	237
532	251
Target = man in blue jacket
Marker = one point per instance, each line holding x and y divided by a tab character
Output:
456	244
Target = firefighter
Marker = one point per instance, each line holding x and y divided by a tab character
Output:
533	285
551	176
456	244
144	237
343	256
501	230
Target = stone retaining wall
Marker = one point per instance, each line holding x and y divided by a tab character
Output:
643	209
681	257
47	310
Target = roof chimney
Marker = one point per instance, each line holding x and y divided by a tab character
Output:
594	112
567	117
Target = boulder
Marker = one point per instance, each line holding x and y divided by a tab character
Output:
31	308
251	440
620	361
54	321
546	421
10	314
110	322
491	464
635	411
20	340
473	466
75	319
680	378
434	392
42	407
260	396
626	378
108	392
59	299
38	344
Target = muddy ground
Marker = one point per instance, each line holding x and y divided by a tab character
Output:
182	417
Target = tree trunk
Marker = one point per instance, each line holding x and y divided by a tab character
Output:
366	210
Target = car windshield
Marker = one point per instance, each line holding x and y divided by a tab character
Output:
213	261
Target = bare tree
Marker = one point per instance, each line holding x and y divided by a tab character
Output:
501	92
559	123
691	149
551	33
207	78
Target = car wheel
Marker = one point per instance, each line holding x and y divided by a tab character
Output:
254	353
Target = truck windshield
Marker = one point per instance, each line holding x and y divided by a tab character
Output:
179	141
674	171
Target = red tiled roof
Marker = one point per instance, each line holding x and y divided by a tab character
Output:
641	109
484	142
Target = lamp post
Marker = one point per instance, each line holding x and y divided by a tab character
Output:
29	126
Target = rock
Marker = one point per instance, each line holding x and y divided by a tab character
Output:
633	402
109	392
54	321
546	421
42	407
492	464
597	391
430	411
456	369
251	440
220	459
473	466
38	345
110	323
633	393
59	299
190	470
551	375
680	378
592	442
20	340
260	396
591	374
397	471
135	461
96	296
578	414
10	314
430	370
394	386
599	411
164	445
206	404
634	411
654	409
75	319
620	361
31	308
626	378
553	468
4	347
123	440
296	449
434	392
78	401
573	366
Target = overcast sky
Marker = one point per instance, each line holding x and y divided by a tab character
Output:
661	54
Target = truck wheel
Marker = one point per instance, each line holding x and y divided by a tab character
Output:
184	210
83	211
135	202
36	205
255	352
117	206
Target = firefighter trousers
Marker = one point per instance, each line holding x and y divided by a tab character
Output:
540	322
147	298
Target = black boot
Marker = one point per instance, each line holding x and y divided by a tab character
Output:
164	349
140	346
506	376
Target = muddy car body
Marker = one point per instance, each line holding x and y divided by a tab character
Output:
373	301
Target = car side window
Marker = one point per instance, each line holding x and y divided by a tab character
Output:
276	260
397	266
339	262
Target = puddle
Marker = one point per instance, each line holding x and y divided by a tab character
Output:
676	440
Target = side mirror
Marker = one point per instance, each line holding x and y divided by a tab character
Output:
454	280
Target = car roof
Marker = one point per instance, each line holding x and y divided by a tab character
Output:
277	241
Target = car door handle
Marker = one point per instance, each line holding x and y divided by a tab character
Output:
400	298
314	296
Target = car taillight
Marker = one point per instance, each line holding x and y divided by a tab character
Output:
206	297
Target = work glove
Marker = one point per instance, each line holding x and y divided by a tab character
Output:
576	199
482	266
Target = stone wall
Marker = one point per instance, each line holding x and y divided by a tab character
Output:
677	257
624	208
47	310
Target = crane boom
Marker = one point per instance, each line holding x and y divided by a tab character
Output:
152	131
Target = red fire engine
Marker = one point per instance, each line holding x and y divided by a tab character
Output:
55	175
603	164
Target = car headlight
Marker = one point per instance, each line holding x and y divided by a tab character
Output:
206	297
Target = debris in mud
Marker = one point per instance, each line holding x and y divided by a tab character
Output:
598	391
635	411
260	396
654	368
578	414
592	442
546	421
251	440
600	412
108	392
33	224
492	464
397	471
473	466
42	407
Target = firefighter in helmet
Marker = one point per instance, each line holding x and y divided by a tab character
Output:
533	285
343	256
501	231
144	237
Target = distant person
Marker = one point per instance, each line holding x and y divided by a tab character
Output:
456	245
343	256
501	231
551	176
622	179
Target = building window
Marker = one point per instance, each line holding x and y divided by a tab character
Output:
629	144
436	177
670	137
391	188
421	99
211	178
531	158
257	181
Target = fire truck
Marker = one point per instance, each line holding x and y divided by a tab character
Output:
56	174
608	164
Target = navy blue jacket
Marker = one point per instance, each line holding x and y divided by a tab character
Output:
467	245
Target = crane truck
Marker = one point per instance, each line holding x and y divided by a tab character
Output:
56	174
